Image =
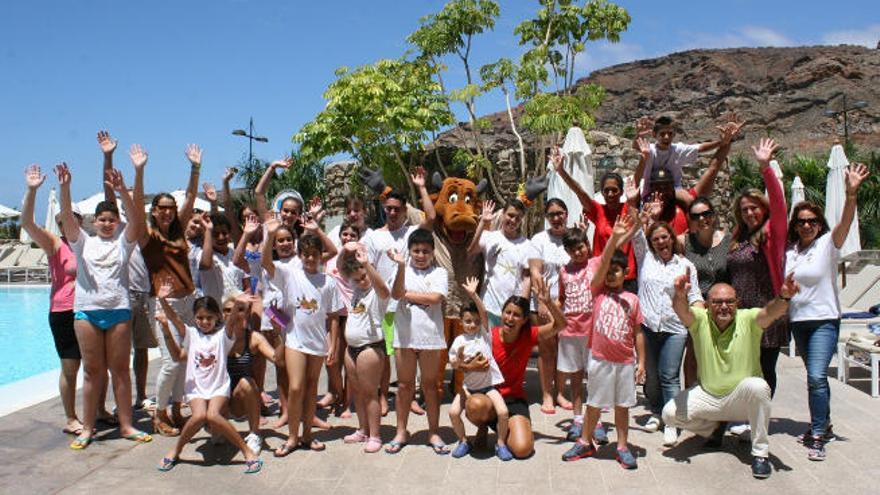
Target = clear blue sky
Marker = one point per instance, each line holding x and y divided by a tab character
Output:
166	73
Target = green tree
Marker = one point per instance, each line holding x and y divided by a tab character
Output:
306	177
381	114
498	75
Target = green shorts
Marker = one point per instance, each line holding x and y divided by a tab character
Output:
388	330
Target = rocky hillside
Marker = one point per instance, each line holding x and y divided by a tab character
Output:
781	91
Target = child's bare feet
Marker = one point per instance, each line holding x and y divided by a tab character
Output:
73	427
320	424
563	402
547	405
280	422
383	405
415	408
327	401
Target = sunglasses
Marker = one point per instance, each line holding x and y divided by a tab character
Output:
803	222
702	214
611	191
554	214
722	302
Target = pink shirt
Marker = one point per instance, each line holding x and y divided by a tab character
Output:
62	270
342	285
776	228
576	298
615	317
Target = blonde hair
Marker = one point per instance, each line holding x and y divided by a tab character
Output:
741	231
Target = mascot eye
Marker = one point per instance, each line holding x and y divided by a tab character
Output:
453	198
467	200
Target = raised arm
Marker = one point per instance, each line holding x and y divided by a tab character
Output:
108	146
251	226
134	227
622	227
48	242
587	203
398	289
855	175
550	329
680	299
470	288
206	262
310	225
263	184
228	206
194	155
418	180
727	133
211	195
777	307
644	148
379	284
488	214
778	221
272	226
69	225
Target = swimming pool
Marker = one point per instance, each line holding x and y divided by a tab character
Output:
26	346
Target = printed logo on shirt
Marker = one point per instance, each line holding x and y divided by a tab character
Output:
205	361
613	319
358	308
308	306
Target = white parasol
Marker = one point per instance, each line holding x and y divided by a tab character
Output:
51	225
797	193
835	192
578	164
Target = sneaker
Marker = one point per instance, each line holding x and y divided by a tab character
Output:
815	448
503	453
761	467
579	450
740	430
670	436
716	441
600	435
254	442
626	459
653	424
575	432
461	450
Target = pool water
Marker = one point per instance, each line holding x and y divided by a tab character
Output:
26	345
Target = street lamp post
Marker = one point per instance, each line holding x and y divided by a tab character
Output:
249	134
844	110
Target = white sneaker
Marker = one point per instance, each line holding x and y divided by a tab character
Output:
653	424
670	436
739	430
254	442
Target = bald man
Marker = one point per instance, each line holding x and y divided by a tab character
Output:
727	345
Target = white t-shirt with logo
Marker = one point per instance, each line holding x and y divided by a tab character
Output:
815	270
378	242
417	326
475	344
548	248
101	271
223	279
206	354
308	298
505	261
364	323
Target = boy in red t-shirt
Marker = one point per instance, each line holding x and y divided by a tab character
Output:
615	335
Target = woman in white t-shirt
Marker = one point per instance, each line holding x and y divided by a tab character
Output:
418	337
102	312
204	349
365	356
814	312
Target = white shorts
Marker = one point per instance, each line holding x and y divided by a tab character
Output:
573	354
611	384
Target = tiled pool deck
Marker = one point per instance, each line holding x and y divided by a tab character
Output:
36	458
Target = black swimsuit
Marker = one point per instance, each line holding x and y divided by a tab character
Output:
239	367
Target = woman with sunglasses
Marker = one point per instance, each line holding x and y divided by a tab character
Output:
754	262
812	258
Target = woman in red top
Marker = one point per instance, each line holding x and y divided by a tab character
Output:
512	344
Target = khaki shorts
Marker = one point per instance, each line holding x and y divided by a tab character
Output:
142	336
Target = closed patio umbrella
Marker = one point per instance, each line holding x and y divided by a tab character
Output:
578	164
797	193
835	192
51	211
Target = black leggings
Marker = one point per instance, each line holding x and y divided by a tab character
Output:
769	355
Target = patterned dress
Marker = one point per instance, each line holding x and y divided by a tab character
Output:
750	276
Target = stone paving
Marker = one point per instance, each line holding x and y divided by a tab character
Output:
37	459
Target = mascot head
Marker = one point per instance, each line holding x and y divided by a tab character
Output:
456	205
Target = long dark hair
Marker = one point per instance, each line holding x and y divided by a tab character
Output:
523	304
812	208
175	230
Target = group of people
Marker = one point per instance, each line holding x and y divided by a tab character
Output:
659	288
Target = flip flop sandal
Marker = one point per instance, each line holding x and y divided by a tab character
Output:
139	437
167	464
439	448
254	466
286	449
76	431
314	445
394	447
80	443
165	429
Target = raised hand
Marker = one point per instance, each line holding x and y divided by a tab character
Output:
396	256
654	206
789	287
622	225
631	189
359	254
418	177
272	225
488	212
644	127
372	179
309	223
107	144
34	177
138	156
210	192
62	172
206	221
683	283
855	175
166	288
557	158
764	151
194	155
535	186
470	285
114	179
316	209
643	147
251	225
729	130
229	174
285	164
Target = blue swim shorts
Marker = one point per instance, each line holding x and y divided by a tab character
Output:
104	318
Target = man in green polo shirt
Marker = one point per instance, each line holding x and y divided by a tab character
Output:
727	345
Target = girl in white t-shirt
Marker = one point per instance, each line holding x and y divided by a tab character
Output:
365	356
311	298
204	349
102	313
418	337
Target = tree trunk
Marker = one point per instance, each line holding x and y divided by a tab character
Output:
519	140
